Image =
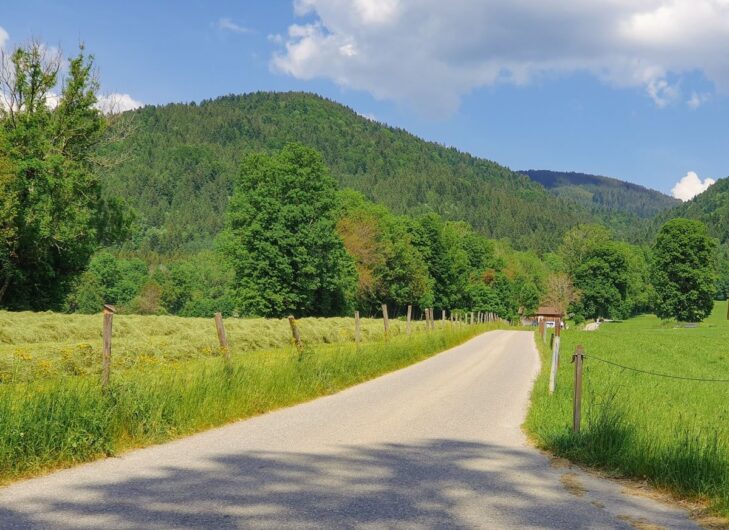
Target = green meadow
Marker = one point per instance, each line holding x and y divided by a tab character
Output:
169	379
673	433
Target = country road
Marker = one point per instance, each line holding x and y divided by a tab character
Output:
435	445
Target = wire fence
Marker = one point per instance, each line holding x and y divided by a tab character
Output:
657	374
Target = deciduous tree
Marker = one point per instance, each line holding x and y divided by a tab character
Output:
683	270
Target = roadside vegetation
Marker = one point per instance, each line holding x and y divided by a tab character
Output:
673	433
66	420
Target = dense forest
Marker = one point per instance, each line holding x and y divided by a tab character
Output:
604	194
625	207
177	165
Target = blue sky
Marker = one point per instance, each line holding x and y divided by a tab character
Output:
631	89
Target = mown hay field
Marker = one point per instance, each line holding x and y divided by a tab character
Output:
672	432
37	346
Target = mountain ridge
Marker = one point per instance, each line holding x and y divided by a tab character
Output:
180	160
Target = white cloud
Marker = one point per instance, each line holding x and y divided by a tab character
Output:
430	53
115	103
228	25
690	186
3	37
696	100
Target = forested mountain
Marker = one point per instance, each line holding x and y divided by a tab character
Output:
627	209
599	193
178	160
710	207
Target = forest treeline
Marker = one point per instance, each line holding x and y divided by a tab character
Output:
193	209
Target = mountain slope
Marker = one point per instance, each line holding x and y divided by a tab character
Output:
604	194
179	162
711	207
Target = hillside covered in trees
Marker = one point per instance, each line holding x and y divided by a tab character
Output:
177	164
710	207
626	208
601	194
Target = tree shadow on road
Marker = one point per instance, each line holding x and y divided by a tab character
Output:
434	484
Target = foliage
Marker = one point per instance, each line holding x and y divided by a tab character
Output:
684	271
626	208
710	207
108	280
603	281
280	237
561	292
180	161
50	196
604	194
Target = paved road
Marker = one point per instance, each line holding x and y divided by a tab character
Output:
436	445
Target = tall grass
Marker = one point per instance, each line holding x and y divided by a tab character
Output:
674	433
60	421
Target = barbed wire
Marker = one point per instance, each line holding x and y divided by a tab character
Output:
657	374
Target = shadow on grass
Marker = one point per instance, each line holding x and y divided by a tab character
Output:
434	484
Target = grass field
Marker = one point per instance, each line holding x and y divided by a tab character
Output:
37	346
673	433
55	418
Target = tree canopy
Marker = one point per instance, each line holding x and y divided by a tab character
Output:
280	237
684	271
50	196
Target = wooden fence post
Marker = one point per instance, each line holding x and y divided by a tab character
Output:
295	333
385	320
109	311
356	328
427	319
541	329
443	317
432	319
410	316
472	317
222	338
555	365
577	358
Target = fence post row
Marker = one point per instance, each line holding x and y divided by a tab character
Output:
356	328
222	338
577	358
109	311
295	333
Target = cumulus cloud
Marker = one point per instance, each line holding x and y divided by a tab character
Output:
430	53
228	25
115	103
690	186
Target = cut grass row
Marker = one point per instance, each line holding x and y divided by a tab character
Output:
48	345
673	433
58	422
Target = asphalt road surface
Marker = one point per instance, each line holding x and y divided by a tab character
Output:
435	445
